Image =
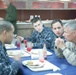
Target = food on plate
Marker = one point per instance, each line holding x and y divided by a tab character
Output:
30	63
9	53
33	64
12	53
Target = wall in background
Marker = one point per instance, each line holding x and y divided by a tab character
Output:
24	15
47	10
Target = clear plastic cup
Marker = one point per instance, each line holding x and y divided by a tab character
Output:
22	46
29	46
41	56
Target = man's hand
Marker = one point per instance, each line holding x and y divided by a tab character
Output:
59	43
17	57
20	38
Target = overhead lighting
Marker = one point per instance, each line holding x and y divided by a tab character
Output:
65	0
43	0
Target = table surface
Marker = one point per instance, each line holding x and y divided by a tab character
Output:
66	68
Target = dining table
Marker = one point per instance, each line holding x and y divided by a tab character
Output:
65	67
61	63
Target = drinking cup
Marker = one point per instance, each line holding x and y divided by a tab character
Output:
25	42
29	46
41	56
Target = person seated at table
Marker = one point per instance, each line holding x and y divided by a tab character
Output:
58	29
41	35
7	66
68	49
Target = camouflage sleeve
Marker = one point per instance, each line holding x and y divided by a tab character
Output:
70	56
9	68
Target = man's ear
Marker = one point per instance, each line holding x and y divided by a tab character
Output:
75	33
4	33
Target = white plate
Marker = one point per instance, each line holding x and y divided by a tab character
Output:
36	51
42	66
22	53
33	64
12	52
10	46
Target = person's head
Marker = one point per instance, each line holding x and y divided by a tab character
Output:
6	32
6	2
37	24
70	31
57	27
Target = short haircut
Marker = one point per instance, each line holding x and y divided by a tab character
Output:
5	25
56	20
35	19
71	24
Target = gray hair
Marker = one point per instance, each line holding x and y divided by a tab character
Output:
5	25
71	24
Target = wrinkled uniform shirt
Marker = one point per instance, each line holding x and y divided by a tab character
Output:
46	36
69	53
6	66
58	52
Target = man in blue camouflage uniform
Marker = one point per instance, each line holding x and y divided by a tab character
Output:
57	27
41	35
7	67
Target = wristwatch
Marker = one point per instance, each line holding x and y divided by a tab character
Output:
63	48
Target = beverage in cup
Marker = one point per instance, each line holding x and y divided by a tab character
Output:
29	46
25	42
18	43
41	56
